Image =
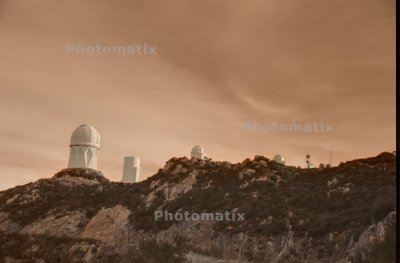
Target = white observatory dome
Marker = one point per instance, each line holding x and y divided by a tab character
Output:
279	159
84	147
85	135
198	152
198	149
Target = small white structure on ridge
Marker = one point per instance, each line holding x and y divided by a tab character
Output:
84	147
198	152
132	170
279	159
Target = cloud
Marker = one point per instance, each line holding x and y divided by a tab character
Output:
218	64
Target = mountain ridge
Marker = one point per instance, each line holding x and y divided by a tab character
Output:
335	214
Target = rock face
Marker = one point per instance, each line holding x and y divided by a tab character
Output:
114	218
374	234
338	214
68	224
172	190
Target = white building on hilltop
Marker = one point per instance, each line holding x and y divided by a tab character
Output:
279	159
132	170
84	147
198	152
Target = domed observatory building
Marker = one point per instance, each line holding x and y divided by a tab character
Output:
132	170
84	147
279	159
198	152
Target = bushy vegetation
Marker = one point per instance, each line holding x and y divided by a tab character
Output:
300	199
40	247
168	253
285	195
86	173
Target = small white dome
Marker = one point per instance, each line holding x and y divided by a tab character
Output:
198	152
198	149
279	159
85	135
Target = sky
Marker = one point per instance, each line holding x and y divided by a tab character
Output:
223	73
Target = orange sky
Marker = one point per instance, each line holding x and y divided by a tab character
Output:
218	64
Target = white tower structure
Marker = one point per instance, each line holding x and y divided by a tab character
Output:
279	159
84	147
132	170
198	152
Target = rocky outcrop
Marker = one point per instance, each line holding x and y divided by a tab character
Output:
109	225
171	190
373	235
74	181
66	224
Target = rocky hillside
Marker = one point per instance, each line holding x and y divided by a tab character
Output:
339	214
